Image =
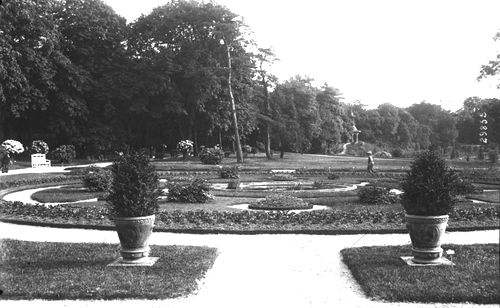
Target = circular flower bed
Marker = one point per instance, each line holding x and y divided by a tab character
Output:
280	202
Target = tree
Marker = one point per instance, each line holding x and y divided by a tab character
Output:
185	37
493	67
264	58
332	124
35	74
297	114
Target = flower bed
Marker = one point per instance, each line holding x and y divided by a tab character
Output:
465	217
280	202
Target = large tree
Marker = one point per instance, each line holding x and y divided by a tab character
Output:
196	43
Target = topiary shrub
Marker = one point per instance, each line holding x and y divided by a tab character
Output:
280	201
97	179
64	154
135	188
211	156
377	195
229	172
430	187
198	191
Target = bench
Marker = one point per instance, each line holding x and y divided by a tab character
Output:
39	160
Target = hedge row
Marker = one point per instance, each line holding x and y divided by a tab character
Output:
38	181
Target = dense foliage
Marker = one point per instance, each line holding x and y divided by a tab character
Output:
211	156
64	154
98	179
229	172
198	191
135	187
73	72
430	186
377	195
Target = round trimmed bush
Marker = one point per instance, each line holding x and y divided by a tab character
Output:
280	202
377	195
198	191
211	156
97	179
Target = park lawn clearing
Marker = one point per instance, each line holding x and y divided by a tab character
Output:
57	271
384	276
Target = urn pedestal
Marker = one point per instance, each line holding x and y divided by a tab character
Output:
426	235
134	234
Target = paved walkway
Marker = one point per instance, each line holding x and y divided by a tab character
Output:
254	270
57	169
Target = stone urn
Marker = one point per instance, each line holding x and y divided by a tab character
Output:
134	234
426	233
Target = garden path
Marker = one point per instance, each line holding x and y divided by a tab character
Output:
255	270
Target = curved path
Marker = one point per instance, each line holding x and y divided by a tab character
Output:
254	270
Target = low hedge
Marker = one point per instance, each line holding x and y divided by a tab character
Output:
38	181
364	219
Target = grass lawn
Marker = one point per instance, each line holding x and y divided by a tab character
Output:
384	276
65	194
78	271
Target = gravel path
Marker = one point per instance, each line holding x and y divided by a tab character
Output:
254	270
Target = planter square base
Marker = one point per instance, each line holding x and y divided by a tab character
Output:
146	261
441	262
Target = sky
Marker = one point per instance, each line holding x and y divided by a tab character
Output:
400	52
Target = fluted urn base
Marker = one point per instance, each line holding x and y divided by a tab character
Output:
426	234
134	234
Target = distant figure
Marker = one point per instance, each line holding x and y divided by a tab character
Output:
371	162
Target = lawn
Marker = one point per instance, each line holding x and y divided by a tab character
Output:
58	271
384	276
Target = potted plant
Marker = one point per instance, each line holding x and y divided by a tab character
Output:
429	191
133	200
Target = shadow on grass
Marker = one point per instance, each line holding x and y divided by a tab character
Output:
59	271
384	276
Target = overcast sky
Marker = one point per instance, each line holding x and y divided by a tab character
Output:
377	51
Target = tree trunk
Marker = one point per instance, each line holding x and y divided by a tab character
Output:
269	154
239	154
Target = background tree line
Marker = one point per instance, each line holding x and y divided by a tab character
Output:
74	72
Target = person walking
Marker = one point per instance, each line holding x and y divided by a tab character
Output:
371	162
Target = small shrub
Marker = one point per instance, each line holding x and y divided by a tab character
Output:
280	201
198	191
376	195
246	148
234	185
397	152
39	147
229	172
97	179
332	176
211	156
493	156
430	186
64	154
185	147
480	154
454	153
161	151
135	187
